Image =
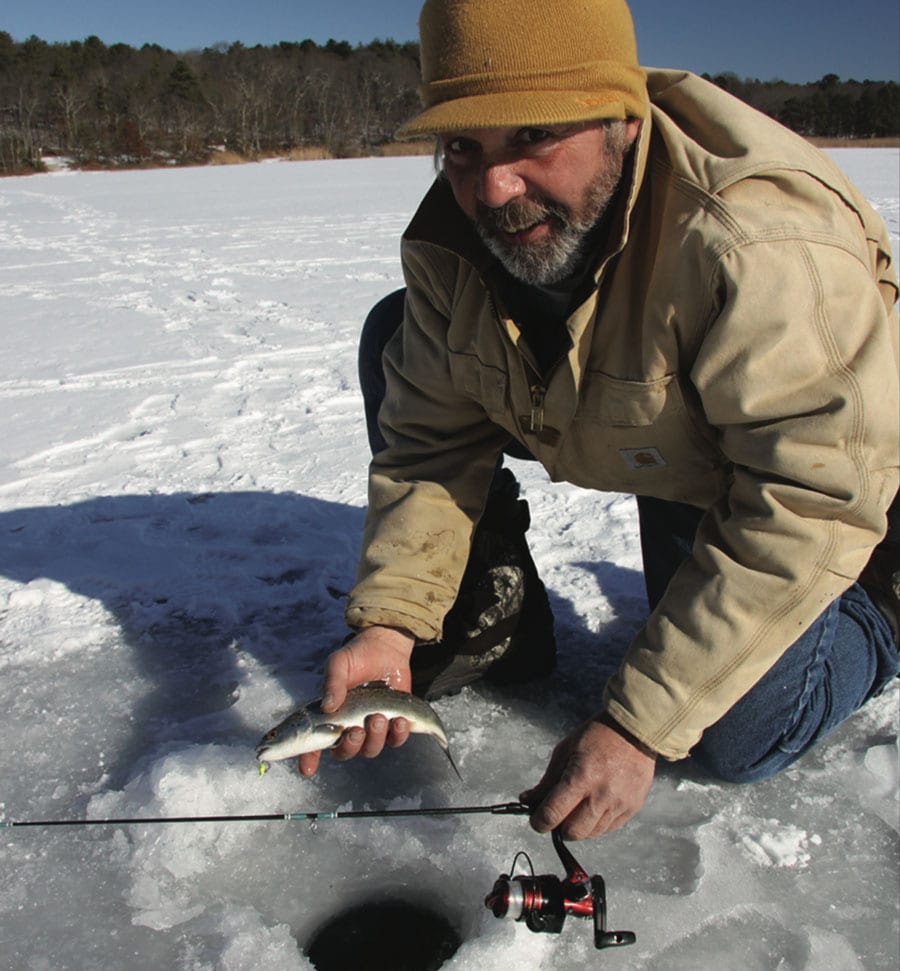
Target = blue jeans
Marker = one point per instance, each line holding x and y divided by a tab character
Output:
846	657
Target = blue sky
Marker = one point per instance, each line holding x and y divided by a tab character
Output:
797	40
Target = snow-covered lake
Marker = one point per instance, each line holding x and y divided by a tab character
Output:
182	482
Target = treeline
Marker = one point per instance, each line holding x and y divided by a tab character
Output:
117	105
828	108
100	105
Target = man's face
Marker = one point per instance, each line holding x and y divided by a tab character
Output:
534	194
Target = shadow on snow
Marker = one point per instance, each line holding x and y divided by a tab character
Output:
196	585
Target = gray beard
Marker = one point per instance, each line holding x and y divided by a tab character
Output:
558	255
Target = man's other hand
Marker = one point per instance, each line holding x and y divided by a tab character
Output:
596	781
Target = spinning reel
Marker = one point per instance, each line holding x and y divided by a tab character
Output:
544	902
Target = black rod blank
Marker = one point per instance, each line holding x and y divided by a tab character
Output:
499	809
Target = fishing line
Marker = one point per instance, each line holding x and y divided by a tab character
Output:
499	809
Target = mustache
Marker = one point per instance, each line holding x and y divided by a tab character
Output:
519	214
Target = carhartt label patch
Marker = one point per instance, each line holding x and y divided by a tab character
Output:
643	458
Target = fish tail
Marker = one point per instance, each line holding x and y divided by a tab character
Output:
446	749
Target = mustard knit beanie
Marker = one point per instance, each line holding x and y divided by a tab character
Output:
501	63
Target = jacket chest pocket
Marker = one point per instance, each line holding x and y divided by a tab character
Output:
481	382
642	437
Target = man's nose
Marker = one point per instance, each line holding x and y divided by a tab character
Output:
498	184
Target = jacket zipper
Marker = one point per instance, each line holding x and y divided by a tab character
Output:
538	394
536	388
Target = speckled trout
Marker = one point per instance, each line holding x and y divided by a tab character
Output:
309	729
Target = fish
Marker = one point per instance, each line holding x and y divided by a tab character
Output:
309	729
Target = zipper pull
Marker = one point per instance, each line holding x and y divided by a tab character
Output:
538	393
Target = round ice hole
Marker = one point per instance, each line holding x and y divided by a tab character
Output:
383	935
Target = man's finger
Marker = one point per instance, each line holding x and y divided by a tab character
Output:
350	744
376	736
555	809
587	820
309	763
398	732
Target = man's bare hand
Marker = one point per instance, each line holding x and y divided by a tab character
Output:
596	781
375	654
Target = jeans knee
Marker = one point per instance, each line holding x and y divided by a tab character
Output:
725	767
380	325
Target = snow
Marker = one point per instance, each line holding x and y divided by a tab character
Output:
182	482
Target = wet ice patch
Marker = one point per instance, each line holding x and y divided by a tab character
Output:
658	862
744	940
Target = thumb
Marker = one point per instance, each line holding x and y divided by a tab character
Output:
336	680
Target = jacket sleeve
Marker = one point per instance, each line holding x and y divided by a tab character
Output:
428	488
798	373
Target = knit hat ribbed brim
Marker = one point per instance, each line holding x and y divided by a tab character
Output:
501	63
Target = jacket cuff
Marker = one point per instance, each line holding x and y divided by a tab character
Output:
607	719
359	616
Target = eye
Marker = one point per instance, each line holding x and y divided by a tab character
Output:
459	147
534	136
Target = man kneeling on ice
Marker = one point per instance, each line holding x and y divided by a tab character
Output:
650	288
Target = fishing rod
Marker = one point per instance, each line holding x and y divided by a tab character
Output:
541	902
499	809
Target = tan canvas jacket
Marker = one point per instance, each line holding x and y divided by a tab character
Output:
739	353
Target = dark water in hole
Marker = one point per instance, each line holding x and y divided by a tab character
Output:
384	935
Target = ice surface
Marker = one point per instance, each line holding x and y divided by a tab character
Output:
182	479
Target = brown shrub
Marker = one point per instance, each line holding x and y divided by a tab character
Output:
227	158
394	149
306	153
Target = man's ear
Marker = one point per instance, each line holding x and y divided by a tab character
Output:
632	127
